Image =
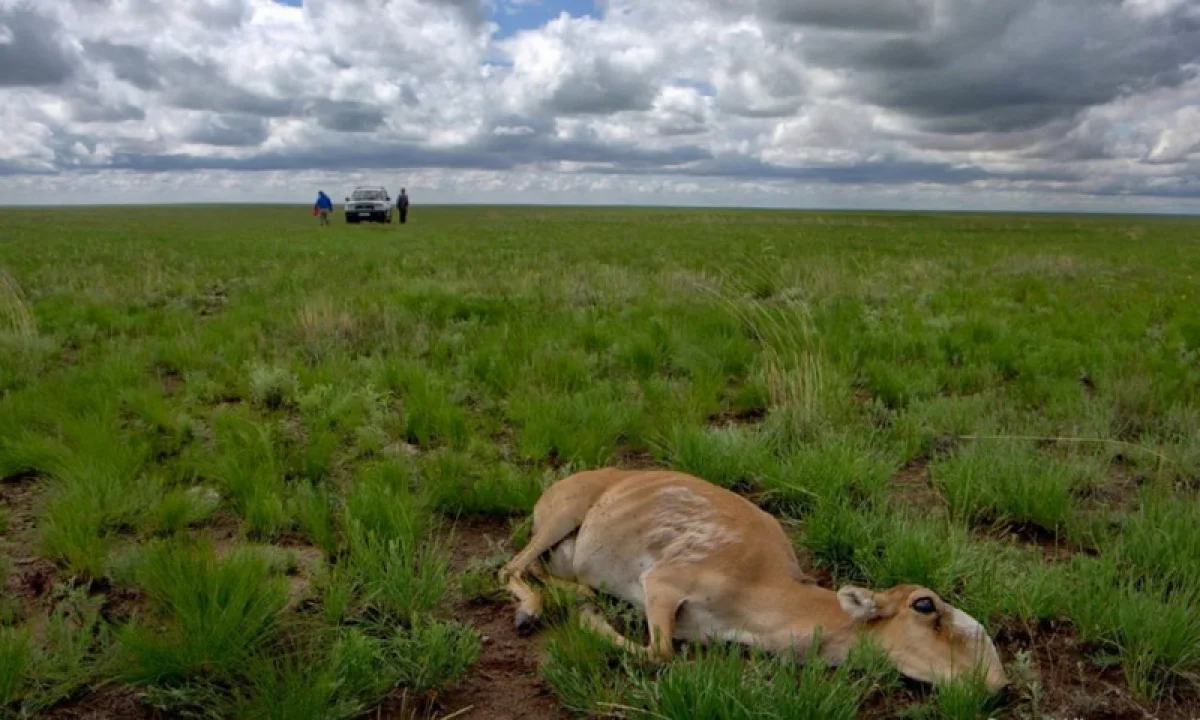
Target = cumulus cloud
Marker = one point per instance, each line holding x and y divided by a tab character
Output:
578	66
1092	100
32	49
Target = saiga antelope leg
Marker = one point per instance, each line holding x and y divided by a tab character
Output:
559	512
538	570
662	605
663	599
512	575
591	618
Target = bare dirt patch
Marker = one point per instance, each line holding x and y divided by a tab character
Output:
31	581
1118	493
1052	547
171	379
913	486
223	530
214	299
739	416
504	683
107	704
1087	385
1071	685
30	577
629	458
893	701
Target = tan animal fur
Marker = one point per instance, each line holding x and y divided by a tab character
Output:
704	563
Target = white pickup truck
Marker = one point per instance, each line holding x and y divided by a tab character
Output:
370	204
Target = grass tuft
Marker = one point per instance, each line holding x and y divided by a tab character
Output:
728	456
213	613
14	659
1004	484
272	387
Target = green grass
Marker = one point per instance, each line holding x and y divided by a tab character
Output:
14	658
71	652
1012	483
197	390
211	613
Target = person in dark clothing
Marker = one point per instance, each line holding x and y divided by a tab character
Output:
323	206
402	205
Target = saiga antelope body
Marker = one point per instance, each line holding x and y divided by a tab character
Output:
704	563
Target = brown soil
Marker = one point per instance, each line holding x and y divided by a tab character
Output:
913	486
106	704
741	416
223	530
171	379
1071	685
212	301
1088	386
1119	493
30	577
634	459
504	683
1052	548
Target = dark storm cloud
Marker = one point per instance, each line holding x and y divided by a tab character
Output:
409	96
1013	65
202	85
353	117
230	131
1182	186
185	82
472	10
220	14
890	16
32	52
9	169
128	62
892	172
1086	142
533	148
681	125
93	109
602	87
492	153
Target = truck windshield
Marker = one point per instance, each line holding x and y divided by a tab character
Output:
367	195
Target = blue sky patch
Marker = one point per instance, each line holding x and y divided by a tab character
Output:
513	16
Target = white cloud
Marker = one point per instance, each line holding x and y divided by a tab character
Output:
956	99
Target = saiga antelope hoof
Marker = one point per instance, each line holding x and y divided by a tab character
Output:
525	623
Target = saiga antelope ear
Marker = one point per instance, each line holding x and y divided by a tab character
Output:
859	603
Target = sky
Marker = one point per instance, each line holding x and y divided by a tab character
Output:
1043	105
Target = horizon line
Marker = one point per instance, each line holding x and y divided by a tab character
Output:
626	206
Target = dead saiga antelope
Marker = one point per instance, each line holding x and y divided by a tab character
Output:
704	563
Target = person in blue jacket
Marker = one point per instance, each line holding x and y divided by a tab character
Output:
324	206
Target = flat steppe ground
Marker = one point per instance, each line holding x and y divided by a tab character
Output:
257	468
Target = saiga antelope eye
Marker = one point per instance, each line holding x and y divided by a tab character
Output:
924	605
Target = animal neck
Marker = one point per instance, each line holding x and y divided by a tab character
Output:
802	610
